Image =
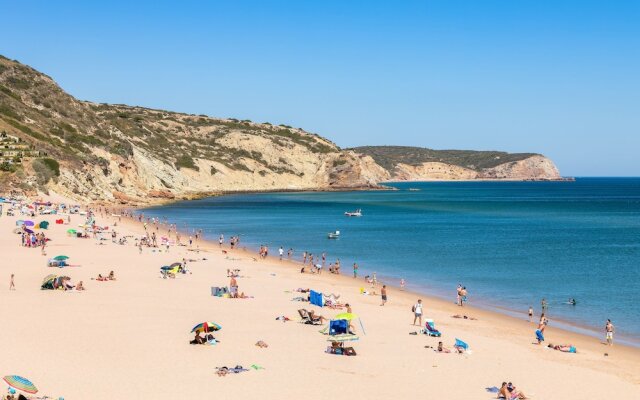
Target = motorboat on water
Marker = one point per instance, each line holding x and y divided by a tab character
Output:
333	235
356	213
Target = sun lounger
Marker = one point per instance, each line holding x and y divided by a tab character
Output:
306	318
430	329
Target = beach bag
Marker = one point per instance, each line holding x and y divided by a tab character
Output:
349	351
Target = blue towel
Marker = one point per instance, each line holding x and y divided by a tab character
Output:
316	298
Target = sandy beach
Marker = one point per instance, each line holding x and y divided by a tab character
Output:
129	338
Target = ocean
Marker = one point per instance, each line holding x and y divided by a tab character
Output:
510	243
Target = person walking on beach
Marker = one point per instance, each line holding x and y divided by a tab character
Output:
304	258
544	306
355	270
221	240
402	284
417	312
383	293
530	314
374	280
609	329
12	285
280	252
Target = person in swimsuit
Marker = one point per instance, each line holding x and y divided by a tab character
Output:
383	293
609	329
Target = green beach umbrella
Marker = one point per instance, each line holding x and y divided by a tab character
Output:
60	258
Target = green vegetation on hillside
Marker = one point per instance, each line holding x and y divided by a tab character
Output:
389	156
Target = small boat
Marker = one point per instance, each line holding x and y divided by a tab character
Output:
414	189
356	213
333	235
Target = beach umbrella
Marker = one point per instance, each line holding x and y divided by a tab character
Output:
343	337
19	222
29	223
28	230
72	231
20	383
48	278
60	258
346	315
176	264
206	327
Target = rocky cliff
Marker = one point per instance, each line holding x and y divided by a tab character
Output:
104	152
419	164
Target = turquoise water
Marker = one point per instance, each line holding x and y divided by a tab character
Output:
509	243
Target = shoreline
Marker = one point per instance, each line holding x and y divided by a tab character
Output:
568	328
251	245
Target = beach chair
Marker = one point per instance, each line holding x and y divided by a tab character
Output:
430	329
306	318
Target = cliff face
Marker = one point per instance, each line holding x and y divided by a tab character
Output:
419	164
103	152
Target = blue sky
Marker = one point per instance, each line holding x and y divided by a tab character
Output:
557	77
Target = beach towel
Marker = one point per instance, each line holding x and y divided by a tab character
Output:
539	335
316	298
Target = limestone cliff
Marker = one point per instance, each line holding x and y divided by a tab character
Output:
104	152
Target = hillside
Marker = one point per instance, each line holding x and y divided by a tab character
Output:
417	163
103	152
126	153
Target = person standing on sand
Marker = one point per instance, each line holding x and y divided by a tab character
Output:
280	252
417	312
221	240
12	285
544	306
402	284
609	329
530	314
304	258
355	270
383	293
374	280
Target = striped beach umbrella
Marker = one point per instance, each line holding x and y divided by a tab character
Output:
206	327
20	383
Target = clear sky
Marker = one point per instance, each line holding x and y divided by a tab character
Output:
560	78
